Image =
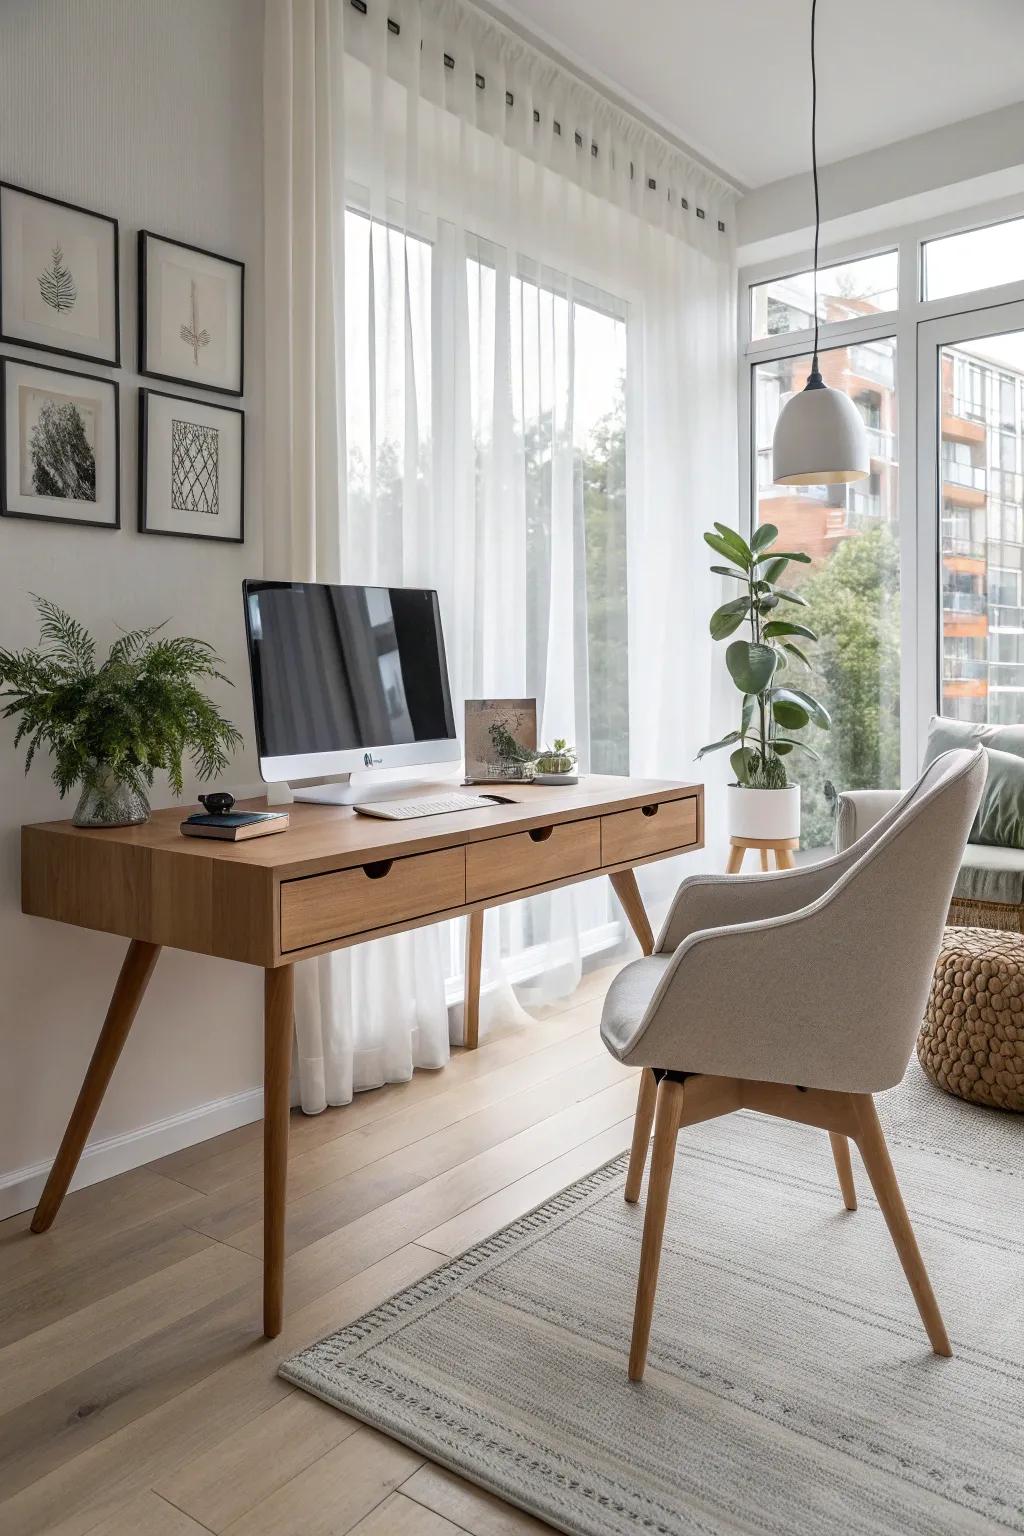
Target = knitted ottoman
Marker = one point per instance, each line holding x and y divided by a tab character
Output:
972	1041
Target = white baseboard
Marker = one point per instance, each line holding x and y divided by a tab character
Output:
20	1189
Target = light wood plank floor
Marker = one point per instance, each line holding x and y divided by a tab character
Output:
136	1397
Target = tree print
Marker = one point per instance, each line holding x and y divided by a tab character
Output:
63	463
56	285
191	335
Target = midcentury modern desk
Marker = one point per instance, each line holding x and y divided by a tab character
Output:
333	879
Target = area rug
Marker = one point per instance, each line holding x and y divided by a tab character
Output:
790	1388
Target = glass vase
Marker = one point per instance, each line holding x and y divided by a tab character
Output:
106	801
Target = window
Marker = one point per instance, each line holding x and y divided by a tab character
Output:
978	258
852	584
568	390
982	561
847	290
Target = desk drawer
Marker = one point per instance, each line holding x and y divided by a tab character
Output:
524	859
348	901
651	829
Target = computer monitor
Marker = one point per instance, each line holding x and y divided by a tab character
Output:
346	678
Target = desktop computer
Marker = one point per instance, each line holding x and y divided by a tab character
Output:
350	679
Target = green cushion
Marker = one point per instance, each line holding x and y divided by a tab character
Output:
991	874
1000	819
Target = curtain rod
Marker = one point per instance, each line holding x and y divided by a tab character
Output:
395	29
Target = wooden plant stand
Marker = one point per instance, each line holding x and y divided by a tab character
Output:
783	848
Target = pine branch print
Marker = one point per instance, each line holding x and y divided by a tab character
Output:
56	285
191	335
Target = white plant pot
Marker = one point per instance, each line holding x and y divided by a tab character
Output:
765	815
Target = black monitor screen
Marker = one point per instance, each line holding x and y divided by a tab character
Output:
340	668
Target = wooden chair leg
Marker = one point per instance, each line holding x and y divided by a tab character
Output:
278	1031
128	993
844	1168
471	995
669	1111
626	889
873	1150
646	1101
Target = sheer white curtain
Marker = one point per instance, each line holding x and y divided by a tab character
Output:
500	362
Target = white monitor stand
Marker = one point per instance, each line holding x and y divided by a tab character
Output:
343	791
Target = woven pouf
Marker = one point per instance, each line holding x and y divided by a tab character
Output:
972	1041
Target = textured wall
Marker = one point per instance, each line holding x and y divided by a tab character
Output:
149	110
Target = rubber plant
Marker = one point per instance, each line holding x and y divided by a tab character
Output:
773	709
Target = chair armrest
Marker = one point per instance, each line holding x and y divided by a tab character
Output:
721	901
858	810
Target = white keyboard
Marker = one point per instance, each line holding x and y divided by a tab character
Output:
429	805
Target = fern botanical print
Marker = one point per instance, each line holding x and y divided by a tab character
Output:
56	285
191	334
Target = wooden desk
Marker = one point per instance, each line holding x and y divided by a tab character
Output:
333	879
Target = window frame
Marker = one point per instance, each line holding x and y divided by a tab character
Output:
917	396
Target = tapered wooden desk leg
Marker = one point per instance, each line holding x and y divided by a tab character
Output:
278	1027
626	889
128	993
875	1153
844	1169
471	1004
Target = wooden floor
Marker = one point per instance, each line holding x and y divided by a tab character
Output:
136	1396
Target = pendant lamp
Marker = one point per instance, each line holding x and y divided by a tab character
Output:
819	437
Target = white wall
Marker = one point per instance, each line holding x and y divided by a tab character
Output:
957	166
149	110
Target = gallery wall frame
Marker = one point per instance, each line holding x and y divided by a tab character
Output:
60	307
86	416
186	474
185	290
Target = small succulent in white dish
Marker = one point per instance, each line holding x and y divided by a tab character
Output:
556	764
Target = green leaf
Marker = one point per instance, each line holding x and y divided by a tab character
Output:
751	666
763	536
774	569
791	597
723	570
815	710
767	602
791	716
720	547
794	650
736	540
729	617
783	743
747	713
785	554
781	746
741	761
787	627
726	741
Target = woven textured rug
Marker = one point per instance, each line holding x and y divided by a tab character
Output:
790	1388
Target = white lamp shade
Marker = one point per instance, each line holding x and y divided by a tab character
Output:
819	440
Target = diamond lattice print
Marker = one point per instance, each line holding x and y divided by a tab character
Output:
195	455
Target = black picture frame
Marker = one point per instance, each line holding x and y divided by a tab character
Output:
145	395
47	517
41	346
145	370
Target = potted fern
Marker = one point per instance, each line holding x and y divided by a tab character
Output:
763	805
110	727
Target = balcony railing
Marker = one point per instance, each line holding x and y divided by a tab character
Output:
963	602
1006	674
973	549
955	670
867	363
974	476
1006	616
967	410
880	444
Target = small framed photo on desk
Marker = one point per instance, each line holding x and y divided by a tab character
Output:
501	740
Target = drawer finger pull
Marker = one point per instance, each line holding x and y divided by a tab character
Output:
541	834
649	810
378	870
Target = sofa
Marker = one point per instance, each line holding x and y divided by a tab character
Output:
989	891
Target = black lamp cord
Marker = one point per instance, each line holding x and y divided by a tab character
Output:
815	376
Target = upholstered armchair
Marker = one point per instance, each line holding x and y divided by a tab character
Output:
797	994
